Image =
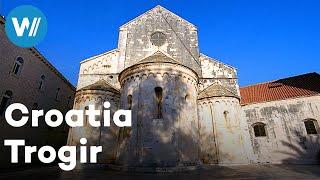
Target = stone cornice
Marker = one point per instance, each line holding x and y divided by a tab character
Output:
36	53
97	95
145	69
96	92
223	99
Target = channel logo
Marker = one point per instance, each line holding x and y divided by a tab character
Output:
26	26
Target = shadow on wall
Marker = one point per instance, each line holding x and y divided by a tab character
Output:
167	139
303	149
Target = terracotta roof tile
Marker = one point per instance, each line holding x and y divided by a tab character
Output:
297	86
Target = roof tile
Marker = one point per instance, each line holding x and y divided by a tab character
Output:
297	86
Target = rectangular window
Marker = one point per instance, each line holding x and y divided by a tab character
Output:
310	127
259	130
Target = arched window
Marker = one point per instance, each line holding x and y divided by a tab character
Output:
225	113
312	126
41	82
17	67
129	99
69	100
57	93
187	98
5	101
85	117
259	129
158	91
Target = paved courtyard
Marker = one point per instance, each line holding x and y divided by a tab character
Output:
233	172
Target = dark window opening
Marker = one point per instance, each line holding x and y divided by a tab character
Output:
42	78
17	66
85	116
259	130
57	93
68	101
129	99
311	126
158	91
5	101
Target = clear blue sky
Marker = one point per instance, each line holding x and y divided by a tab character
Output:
264	40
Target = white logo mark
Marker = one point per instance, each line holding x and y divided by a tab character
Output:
25	24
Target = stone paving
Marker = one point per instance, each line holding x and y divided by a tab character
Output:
216	172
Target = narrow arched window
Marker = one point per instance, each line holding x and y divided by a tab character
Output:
312	126
17	67
158	91
5	101
129	99
187	98
259	129
57	93
85	116
225	114
69	100
41	82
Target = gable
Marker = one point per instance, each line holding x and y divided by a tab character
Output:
105	63
101	85
158	57
181	38
156	9
217	90
212	68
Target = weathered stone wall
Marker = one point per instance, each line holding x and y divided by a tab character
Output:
172	139
181	39
107	137
286	140
224	136
215	72
103	66
25	90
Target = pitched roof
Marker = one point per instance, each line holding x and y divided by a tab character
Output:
158	57
297	86
215	60
215	90
100	85
161	10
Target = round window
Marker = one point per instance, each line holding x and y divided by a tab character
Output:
158	38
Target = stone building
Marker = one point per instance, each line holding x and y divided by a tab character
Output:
27	77
187	108
283	117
